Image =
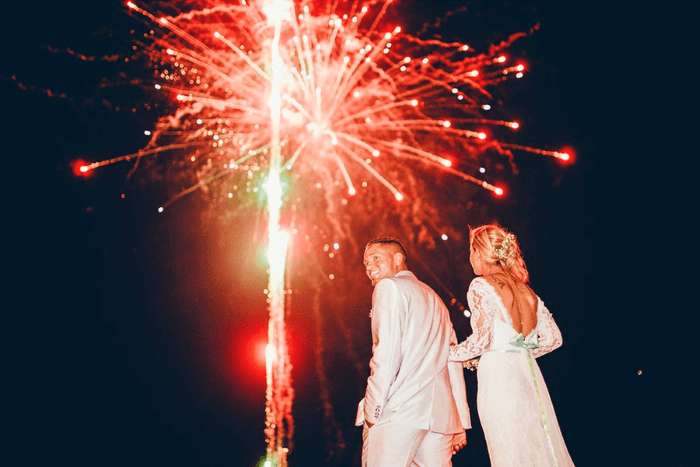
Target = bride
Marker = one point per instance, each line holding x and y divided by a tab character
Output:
511	327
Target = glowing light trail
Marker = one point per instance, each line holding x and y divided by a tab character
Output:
278	407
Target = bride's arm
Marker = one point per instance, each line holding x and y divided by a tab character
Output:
482	317
548	333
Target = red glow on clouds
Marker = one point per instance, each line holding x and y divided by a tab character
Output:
245	362
256	351
261	349
247	350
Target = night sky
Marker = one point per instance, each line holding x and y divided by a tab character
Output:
134	338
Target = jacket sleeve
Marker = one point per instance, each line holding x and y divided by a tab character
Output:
388	317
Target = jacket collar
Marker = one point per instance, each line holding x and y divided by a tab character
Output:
404	273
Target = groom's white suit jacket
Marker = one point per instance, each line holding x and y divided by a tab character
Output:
411	381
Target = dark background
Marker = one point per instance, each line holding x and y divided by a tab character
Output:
132	338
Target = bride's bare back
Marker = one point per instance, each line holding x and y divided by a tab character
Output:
519	299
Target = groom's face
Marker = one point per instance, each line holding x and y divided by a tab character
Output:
381	260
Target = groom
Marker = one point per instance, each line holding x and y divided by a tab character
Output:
415	407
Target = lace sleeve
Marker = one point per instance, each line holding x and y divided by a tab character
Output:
548	333
482	318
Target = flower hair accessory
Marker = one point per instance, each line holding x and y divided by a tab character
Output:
507	242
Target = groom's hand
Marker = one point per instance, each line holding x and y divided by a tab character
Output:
459	440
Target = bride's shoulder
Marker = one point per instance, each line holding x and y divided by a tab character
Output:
477	282
481	284
528	294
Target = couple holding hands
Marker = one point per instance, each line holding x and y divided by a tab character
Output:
415	411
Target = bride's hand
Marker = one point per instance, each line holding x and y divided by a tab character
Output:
471	364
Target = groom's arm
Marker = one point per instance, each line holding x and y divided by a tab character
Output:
386	348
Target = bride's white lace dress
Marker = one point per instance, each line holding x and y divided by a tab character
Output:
513	403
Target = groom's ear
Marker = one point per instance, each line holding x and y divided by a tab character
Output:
398	259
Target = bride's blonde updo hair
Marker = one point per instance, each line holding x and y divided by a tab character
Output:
497	246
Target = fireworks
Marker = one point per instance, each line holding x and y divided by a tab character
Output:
356	100
279	101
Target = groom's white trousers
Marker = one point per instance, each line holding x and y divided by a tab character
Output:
393	445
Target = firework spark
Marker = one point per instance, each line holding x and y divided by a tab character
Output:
272	97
